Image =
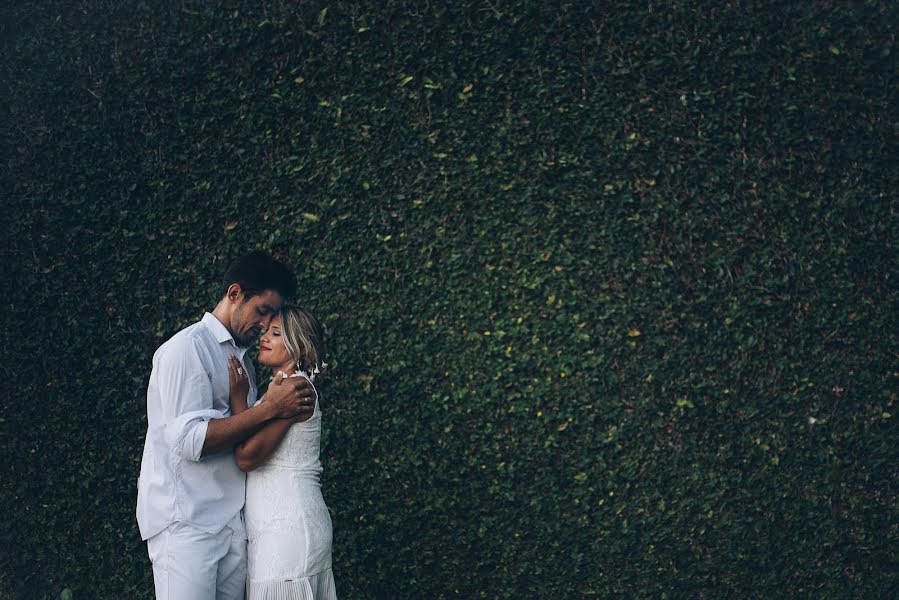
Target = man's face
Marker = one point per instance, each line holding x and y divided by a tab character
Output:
251	317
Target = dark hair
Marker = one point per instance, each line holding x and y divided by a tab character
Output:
256	272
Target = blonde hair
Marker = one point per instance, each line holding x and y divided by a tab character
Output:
304	338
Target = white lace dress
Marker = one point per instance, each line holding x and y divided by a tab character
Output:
288	525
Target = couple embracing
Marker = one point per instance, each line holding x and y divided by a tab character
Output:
229	499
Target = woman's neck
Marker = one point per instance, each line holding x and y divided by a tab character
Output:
287	368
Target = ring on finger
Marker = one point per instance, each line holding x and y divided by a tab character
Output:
239	371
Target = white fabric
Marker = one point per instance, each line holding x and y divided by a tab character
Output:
288	525
188	387
191	564
307	588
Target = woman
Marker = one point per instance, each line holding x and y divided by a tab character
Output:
288	525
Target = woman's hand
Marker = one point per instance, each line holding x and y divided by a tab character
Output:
239	383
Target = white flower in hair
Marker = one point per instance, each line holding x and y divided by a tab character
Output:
316	371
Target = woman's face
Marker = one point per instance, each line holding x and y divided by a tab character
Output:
272	351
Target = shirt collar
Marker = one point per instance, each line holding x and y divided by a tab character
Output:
219	331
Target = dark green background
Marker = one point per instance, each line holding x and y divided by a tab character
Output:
611	289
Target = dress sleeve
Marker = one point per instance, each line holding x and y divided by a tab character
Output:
186	394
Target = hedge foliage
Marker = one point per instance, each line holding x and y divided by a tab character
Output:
611	286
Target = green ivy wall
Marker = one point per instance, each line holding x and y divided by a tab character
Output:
611	287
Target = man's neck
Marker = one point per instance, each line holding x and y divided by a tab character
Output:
222	313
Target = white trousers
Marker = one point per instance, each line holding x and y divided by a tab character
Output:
190	564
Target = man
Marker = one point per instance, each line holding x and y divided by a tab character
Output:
190	491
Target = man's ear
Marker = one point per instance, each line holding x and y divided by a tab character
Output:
235	292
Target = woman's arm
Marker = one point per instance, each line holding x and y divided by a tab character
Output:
240	386
257	448
287	402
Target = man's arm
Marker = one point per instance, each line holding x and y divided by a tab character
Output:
285	400
181	381
223	434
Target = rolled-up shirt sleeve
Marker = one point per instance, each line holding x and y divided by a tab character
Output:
187	434
187	400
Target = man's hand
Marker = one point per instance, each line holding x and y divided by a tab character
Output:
291	397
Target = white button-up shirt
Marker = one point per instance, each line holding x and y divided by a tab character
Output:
188	386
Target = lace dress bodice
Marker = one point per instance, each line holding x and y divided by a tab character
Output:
299	450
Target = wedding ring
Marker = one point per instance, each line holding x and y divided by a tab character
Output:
239	371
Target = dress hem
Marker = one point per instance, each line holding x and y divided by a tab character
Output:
315	587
